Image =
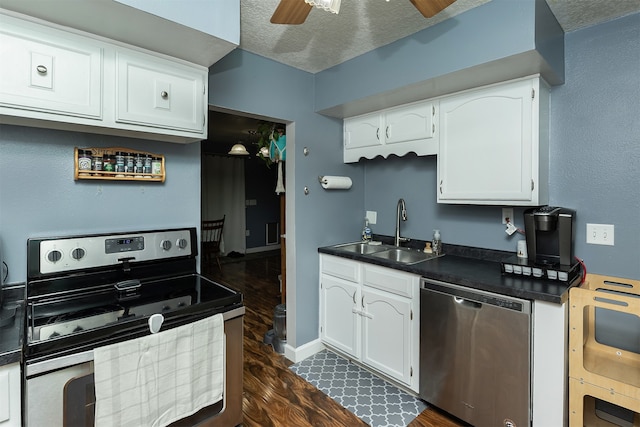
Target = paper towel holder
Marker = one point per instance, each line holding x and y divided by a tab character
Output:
329	182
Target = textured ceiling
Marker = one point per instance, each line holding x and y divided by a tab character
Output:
325	39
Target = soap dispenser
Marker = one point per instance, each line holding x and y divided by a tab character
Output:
366	231
436	243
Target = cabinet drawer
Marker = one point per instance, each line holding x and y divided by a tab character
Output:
159	93
43	70
342	268
389	280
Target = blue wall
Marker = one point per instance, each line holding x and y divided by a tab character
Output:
596	58
39	197
594	160
248	83
595	141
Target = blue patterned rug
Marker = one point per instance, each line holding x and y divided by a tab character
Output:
370	398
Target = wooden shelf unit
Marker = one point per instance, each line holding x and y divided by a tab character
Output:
597	370
118	176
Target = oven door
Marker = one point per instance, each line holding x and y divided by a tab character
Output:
60	391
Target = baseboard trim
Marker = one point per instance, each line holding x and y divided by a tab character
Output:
262	249
296	354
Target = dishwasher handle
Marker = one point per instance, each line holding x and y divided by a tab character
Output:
467	303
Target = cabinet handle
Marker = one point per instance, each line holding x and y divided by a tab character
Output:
440	186
354	297
164	94
433	110
41	69
378	133
386	132
433	128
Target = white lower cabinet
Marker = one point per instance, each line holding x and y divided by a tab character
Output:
371	313
386	333
10	395
340	319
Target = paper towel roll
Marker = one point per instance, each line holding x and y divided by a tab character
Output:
335	182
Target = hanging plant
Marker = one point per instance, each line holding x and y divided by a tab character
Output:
267	133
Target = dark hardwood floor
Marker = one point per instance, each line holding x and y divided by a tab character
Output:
273	394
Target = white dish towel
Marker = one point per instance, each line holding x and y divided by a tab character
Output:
160	378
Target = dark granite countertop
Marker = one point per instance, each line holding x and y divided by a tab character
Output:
472	267
11	319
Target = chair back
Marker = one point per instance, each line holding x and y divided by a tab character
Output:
212	231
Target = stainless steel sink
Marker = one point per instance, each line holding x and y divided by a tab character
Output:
361	248
404	255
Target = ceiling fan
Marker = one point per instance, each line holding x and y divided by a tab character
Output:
294	12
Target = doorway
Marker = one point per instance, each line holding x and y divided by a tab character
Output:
242	188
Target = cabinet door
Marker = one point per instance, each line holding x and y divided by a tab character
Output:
487	144
410	122
363	131
159	93
10	395
43	70
339	317
387	344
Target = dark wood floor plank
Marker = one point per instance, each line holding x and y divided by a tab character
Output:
273	395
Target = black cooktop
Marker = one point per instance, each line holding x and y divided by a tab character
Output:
61	321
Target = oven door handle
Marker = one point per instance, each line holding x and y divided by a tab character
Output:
128	285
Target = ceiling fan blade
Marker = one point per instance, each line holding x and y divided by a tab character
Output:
291	12
430	8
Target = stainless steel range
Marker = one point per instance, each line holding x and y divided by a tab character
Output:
89	291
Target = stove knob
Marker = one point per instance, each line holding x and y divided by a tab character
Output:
78	253
165	244
54	256
182	243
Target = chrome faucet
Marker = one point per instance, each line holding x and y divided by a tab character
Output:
401	213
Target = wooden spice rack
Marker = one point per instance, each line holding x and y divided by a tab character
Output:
596	370
117	176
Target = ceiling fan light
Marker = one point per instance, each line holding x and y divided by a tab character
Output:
332	6
238	150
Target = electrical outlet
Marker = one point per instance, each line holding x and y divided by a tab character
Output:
372	216
507	213
600	234
247	233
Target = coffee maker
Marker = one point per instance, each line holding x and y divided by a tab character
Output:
550	234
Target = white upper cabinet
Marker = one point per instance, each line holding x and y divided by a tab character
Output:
44	70
494	145
159	93
398	130
54	78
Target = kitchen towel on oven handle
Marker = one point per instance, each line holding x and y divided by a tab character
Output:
160	378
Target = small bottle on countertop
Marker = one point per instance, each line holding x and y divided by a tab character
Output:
366	231
436	243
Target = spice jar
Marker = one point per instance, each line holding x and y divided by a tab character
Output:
129	162
156	166
119	167
139	165
108	163
96	164
147	166
84	162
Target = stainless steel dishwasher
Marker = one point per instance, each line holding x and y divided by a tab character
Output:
475	351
